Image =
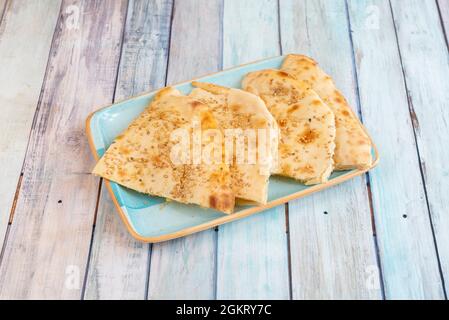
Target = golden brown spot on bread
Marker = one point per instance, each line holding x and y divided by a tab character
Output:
308	136
261	123
158	162
286	169
293	108
121	173
306	169
284	148
361	142
339	97
124	150
208	121
338	100
223	202
236	107
282	123
316	102
219	177
345	113
195	104
283	74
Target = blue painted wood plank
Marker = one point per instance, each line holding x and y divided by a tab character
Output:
23	60
48	244
331	239
118	266
252	255
425	63
185	268
443	6
407	251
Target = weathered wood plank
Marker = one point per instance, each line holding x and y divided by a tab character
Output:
2	9
24	49
48	243
185	268
252	256
119	264
426	68
443	6
331	241
403	228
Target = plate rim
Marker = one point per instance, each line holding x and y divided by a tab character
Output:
230	217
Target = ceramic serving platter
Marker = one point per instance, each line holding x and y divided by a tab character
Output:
153	219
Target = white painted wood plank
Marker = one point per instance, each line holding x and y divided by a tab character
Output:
2	9
426	67
185	268
252	255
24	49
443	6
48	244
331	240
404	233
119	264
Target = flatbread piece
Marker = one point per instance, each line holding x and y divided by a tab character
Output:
141	157
353	146
238	109
306	123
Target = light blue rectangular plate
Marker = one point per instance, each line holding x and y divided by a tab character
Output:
152	219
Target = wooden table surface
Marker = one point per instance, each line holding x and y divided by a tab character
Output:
381	236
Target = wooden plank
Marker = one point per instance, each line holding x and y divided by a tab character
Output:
331	241
48	244
185	268
426	68
119	264
404	233
2	9
443	6
252	257
24	49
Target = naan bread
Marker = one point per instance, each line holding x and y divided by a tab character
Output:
141	157
237	109
353	146
307	125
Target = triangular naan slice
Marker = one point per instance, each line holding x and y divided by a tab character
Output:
353	146
307	125
238	109
141	158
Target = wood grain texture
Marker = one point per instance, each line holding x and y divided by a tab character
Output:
24	49
252	257
2	9
119	264
48	244
404	233
443	6
426	68
185	268
331	241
